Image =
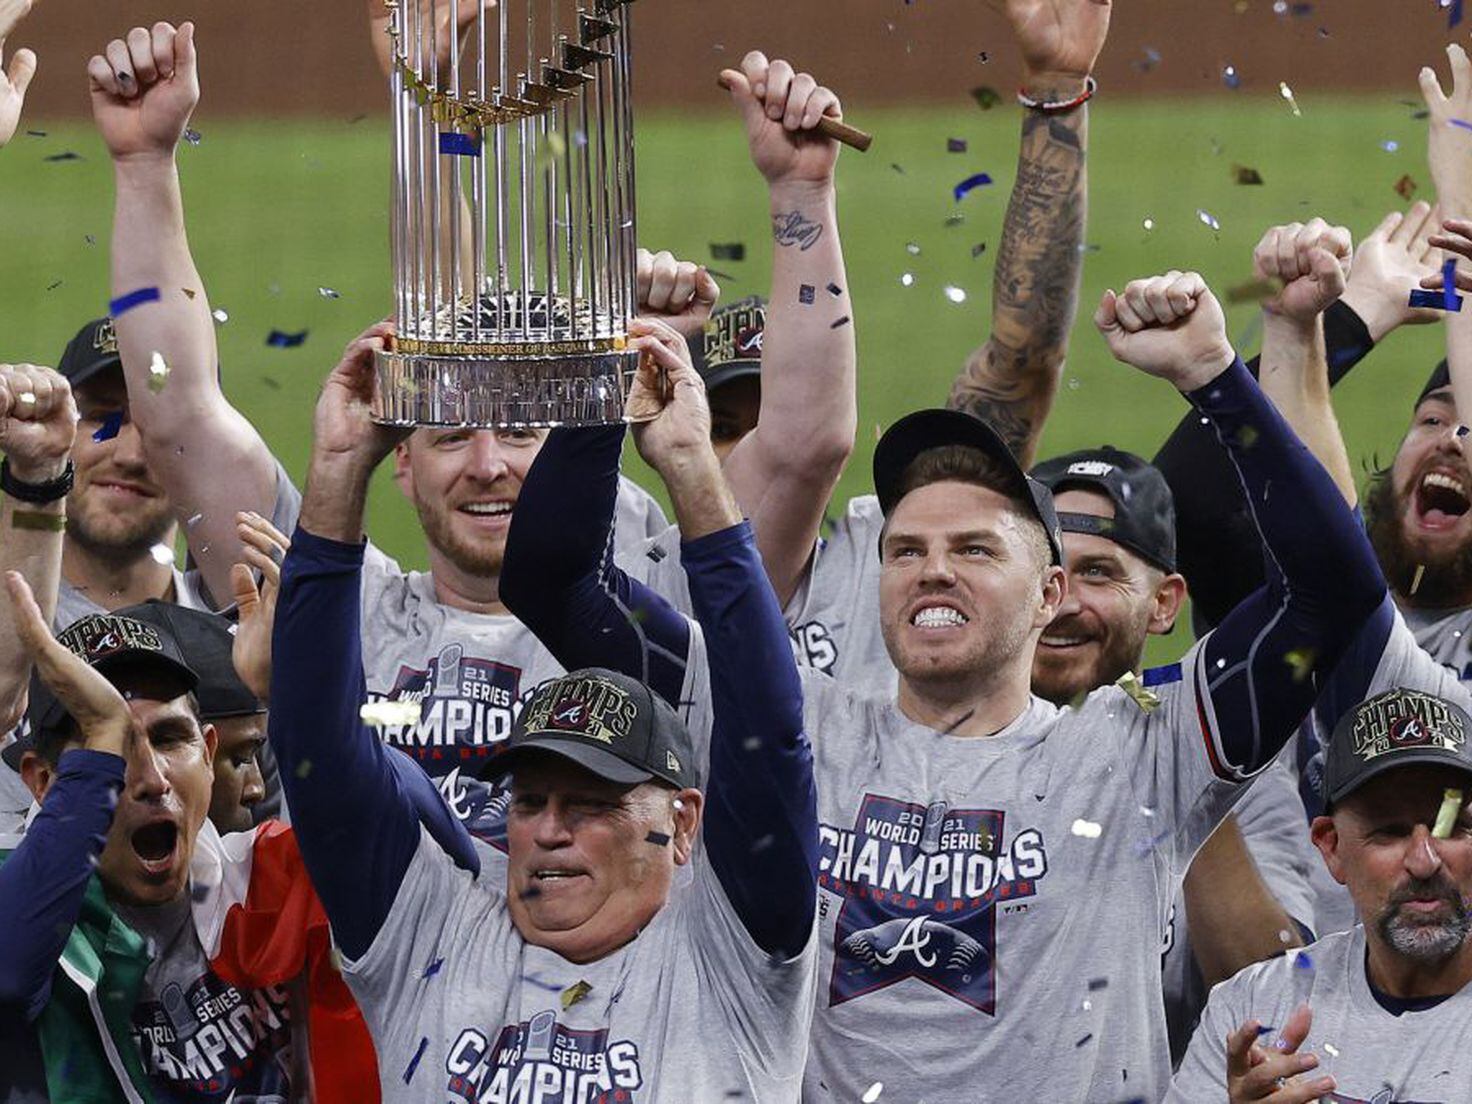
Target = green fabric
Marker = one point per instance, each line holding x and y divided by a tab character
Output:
114	957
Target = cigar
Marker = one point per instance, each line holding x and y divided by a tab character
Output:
830	127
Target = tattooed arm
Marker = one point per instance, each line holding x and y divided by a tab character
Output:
783	471
1011	380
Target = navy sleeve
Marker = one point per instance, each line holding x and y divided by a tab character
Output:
559	578
1218	550
761	820
1267	661
43	881
356	812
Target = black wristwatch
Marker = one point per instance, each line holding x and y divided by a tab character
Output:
38	494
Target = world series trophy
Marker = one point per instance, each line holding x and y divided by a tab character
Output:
512	214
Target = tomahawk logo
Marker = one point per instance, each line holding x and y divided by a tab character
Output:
919	886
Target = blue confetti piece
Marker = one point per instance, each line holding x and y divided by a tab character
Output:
460	145
1265	1029
124	303
969	183
1159	676
109	428
1454	15
1450	300
1463	123
433	968
1435	300
955	145
414	1062
279	340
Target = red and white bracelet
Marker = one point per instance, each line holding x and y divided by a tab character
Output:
1090	87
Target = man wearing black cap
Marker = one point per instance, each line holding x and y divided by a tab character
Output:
172	971
1380	1012
986	859
586	970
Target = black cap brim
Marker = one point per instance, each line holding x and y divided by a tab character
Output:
603	763
1422	757
723	374
927	429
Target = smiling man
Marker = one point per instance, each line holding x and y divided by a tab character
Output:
1380	1012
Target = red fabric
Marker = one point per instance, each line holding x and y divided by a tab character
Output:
281	933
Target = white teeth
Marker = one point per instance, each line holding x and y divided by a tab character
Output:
487	508
546	874
1437	479
933	617
1062	641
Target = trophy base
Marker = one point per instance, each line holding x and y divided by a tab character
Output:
436	389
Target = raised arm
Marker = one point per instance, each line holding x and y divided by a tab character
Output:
38	423
332	766
784	471
210	459
17	78
1262	666
1011	380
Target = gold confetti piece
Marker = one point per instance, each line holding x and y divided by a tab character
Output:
1247	436
574	993
38	522
1405	187
1287	94
390	714
1302	662
158	373
189	293
1446	816
1416	578
1142	696
1254	291
1243	174
304	768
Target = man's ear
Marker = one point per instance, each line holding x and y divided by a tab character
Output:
1325	834
689	805
211	741
403	473
1170	595
37	774
1054	590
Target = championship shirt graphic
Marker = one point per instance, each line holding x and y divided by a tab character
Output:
467	707
920	885
539	1061
213	1041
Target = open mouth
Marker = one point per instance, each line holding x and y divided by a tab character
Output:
155	843
487	509
1441	500
938	617
1052	641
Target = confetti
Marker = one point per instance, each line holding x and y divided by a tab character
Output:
1416	579
1454	13
192	136
1435	300
1242	174
986	97
280	340
220	315
1389	146
1208	219
897	167
907	279
1139	693
390	714
459	145
432	969
1331	1050
1450	300
977	180
54	286
162	554
158	373
1446	816
912	249
1302	661
977	250
1253	291
111	425
36	522
1405	187
189	293
659	839
1149	62
805	293
1463	123
955	294
303	769
67	156
124	303
328	293
955	145
728	251
414	1062
1230	77
1148	224
844	321
1087	829
1095	984
955	219
574	993
35	134
871	1094
1287	94
835	291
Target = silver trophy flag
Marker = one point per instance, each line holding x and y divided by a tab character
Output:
513	213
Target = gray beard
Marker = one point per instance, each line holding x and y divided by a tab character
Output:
1425	942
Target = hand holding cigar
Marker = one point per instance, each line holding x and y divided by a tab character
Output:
763	77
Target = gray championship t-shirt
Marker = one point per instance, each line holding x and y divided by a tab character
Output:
992	910
1270	817
461	1008
1373	1054
1446	635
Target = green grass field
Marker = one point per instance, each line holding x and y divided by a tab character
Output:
277	210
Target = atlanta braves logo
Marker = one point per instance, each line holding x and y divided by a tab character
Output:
919	884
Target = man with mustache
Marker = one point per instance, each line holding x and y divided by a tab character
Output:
1380	1012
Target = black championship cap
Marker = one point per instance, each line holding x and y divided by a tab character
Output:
606	722
1144	518
1396	729
732	343
1440	379
115	645
927	429
94	349
206	641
